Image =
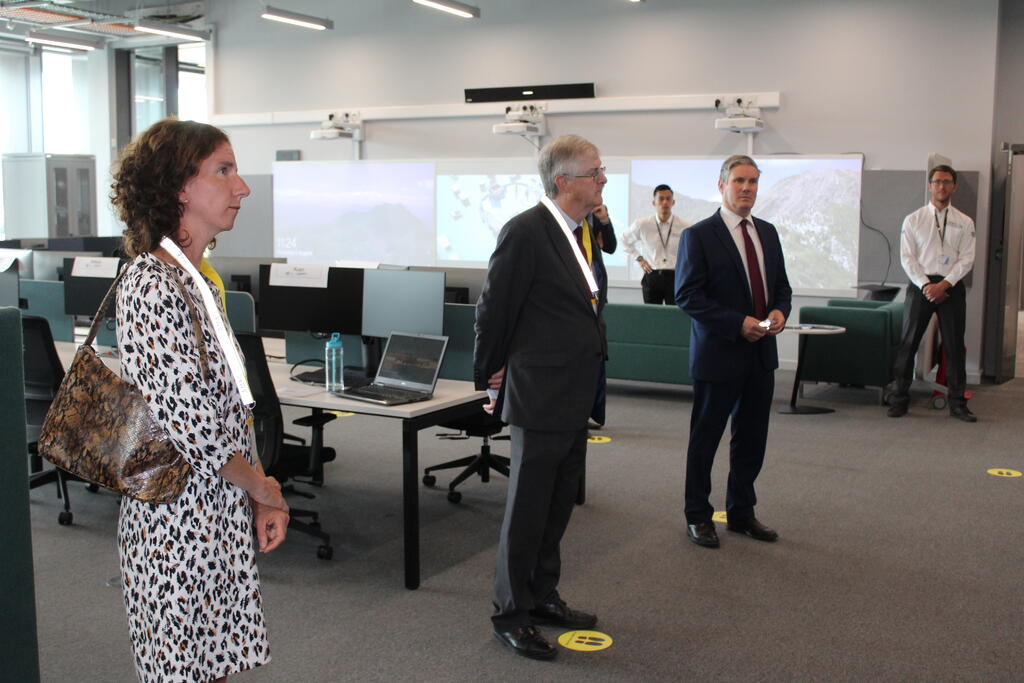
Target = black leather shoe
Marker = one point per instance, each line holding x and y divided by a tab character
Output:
526	641
753	528
560	614
703	534
897	410
962	413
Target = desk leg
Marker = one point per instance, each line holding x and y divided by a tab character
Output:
411	505
793	408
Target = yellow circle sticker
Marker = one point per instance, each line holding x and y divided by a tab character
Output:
1003	472
341	413
719	517
599	439
584	641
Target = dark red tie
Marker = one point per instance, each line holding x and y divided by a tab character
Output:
578	232
754	272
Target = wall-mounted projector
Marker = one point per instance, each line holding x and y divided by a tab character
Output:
339	126
524	119
739	124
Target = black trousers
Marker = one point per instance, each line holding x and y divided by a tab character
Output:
917	312
542	486
748	401
659	287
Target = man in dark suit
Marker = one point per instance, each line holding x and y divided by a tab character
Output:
731	280
539	347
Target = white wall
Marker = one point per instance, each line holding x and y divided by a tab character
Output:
893	80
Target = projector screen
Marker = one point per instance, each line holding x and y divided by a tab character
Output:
449	212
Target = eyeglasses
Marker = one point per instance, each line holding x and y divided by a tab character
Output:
599	172
943	181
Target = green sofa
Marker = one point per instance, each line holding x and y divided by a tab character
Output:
864	355
648	343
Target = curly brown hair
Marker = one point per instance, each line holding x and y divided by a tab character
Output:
151	172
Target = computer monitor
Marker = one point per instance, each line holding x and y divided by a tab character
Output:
242	274
9	284
407	300
83	294
49	265
24	258
338	307
108	246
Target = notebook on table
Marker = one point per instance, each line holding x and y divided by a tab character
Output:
407	373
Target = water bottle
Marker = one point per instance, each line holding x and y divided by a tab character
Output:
334	366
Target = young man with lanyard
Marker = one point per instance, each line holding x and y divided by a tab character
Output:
654	242
937	253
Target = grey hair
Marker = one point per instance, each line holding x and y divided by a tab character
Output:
560	157
734	161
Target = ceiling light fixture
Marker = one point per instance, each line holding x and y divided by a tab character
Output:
459	9
296	19
73	42
170	30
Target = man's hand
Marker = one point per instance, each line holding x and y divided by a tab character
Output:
752	330
494	383
778	322
645	265
271	526
936	292
601	213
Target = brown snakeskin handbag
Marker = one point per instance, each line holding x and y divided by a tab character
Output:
99	427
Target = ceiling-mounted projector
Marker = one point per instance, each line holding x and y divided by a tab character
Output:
741	119
336	126
522	119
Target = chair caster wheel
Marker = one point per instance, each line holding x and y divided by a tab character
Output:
454	497
429	480
92	488
65	518
939	402
325	552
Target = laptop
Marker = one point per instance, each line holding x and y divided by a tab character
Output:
407	373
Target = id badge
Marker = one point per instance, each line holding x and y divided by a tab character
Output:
945	260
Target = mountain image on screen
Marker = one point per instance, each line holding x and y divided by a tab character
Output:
387	233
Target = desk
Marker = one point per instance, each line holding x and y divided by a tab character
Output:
805	331
451	401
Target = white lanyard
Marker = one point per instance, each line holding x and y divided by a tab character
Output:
580	259
227	344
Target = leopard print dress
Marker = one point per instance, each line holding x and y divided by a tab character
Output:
188	569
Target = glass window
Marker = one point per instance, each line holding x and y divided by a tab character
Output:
148	84
14	130
192	104
65	119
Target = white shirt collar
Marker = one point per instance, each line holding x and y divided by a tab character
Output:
733	220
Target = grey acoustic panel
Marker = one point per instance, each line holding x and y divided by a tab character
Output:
402	301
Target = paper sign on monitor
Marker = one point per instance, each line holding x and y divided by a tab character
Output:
95	266
294	275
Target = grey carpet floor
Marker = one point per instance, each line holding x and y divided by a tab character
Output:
900	558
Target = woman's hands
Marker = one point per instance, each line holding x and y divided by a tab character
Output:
268	492
271	525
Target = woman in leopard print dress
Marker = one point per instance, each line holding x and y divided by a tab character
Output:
188	570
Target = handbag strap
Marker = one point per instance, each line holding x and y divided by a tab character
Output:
204	358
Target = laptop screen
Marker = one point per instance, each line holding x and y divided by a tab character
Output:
411	361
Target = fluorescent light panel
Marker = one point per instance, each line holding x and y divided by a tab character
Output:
296	19
459	9
170	30
72	42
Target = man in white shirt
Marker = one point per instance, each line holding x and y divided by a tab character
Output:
653	241
937	252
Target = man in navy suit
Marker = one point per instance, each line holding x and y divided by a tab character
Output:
731	280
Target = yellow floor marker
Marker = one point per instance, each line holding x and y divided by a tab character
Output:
585	641
719	517
1003	472
599	439
341	413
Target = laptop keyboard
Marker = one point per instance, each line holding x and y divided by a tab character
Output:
377	391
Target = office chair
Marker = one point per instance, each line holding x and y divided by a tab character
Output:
483	426
286	462
43	375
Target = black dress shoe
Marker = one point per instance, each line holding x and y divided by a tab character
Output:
897	410
560	614
962	413
703	534
526	641
753	528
